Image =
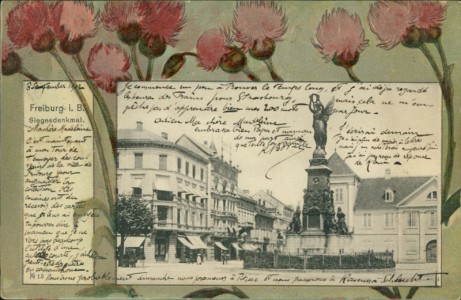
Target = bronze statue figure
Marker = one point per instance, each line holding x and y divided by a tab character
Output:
342	226
321	116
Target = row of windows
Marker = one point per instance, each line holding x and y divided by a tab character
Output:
163	165
412	220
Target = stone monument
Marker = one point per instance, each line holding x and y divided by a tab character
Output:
321	231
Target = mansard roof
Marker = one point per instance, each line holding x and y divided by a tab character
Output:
371	191
339	167
136	135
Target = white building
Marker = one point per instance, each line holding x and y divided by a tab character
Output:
174	182
396	214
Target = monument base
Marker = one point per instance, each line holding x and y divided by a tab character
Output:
313	243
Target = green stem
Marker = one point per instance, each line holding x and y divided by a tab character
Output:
431	60
134	60
97	136
100	100
190	54
150	69
27	74
447	88
352	74
270	67
252	76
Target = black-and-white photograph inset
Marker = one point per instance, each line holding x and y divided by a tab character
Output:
278	184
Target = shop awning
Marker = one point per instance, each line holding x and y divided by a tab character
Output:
249	247
185	189
220	245
197	242
134	241
236	246
186	243
163	184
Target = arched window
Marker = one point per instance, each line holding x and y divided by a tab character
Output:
389	195
432	195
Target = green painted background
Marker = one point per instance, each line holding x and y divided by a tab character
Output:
296	60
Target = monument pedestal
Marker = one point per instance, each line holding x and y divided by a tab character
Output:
315	243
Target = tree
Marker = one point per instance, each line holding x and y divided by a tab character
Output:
133	218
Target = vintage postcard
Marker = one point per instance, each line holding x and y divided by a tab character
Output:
195	149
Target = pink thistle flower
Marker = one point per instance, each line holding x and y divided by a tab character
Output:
391	21
75	20
256	21
121	14
108	64
164	21
212	45
340	36
31	23
429	14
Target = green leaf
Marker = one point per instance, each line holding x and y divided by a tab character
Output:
100	233
450	68
83	207
450	206
214	292
106	289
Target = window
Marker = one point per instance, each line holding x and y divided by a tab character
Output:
162	213
187	168
137	192
193	219
201	220
138	160
389	195
202	174
117	160
179	165
367	220
179	216
433	219
164	195
412	219
389	220
339	195
163	162
193	171
432	195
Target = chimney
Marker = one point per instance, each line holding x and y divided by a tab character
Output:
269	192
139	126
206	143
246	191
165	135
387	174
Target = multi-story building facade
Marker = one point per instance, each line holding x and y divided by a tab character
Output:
396	214
174	181
223	185
283	215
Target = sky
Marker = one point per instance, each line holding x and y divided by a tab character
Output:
415	108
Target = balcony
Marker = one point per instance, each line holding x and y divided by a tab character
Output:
170	226
224	214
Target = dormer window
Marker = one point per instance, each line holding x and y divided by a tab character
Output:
389	195
432	195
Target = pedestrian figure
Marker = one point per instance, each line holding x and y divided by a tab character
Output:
199	258
142	257
223	257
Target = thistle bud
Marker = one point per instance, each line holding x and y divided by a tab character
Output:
432	34
263	50
152	48
130	34
234	61
71	47
44	43
11	64
346	60
413	39
173	65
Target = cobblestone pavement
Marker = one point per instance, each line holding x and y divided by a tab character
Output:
215	273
